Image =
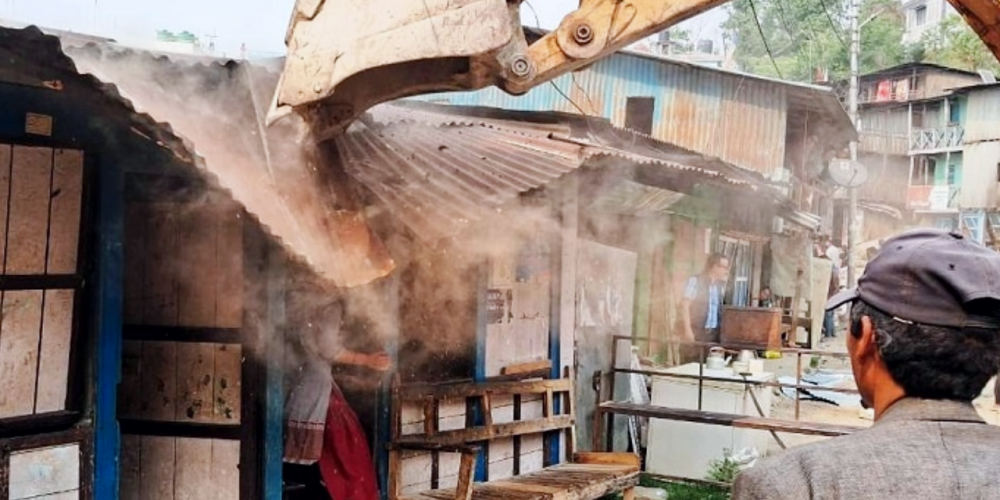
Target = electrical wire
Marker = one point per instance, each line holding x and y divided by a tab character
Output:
763	38
833	26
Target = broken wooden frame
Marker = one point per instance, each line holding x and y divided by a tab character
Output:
606	410
591	476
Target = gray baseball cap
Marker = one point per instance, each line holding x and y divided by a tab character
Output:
930	276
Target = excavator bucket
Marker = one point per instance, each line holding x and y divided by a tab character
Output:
345	56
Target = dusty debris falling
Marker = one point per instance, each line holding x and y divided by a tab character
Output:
279	180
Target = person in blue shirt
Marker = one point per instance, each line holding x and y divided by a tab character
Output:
701	304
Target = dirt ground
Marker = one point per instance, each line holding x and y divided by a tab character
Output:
812	411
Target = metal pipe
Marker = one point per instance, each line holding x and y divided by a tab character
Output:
852	207
798	381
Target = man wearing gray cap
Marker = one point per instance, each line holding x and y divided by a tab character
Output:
924	340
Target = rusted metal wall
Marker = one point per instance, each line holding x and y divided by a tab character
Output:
888	179
980	165
981	153
734	117
983	115
885	130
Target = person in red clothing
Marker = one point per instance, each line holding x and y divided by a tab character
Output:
323	436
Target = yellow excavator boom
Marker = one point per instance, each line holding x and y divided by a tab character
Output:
345	56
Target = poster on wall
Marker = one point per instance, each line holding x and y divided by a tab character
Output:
498	305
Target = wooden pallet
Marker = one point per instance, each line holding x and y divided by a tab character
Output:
561	482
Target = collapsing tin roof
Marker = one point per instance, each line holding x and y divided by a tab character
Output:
214	107
439	169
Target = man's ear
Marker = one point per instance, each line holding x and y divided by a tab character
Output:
865	345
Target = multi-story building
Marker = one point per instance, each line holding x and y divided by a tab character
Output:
924	167
922	15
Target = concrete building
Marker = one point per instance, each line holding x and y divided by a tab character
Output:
922	15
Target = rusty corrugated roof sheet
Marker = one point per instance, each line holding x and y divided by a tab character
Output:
440	169
281	182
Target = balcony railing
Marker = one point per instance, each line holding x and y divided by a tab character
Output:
937	139
932	197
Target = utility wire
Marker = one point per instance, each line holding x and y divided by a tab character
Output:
763	38
833	26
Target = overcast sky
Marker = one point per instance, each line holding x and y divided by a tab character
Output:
260	24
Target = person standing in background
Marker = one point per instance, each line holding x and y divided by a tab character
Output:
701	305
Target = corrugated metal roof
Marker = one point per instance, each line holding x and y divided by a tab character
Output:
737	117
213	126
440	169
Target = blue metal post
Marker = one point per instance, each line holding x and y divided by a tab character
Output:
555	319
274	399
110	259
482	466
383	423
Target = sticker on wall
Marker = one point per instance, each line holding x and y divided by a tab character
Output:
38	124
499	303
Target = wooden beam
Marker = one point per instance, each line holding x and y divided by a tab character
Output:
477	434
728	419
464	489
531	367
416	392
629	459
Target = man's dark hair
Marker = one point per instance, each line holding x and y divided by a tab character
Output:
713	259
932	362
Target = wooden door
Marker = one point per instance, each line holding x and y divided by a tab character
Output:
185	354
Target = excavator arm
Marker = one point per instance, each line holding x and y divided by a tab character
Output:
345	56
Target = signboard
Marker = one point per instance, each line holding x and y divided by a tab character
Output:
939	197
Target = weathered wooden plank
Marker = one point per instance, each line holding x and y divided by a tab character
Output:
729	419
589	458
416	392
46	471
451	414
532	461
225	470
156	476
66	495
136	219
529	367
532	443
29	210
415	473
465	480
130	468
501	469
796	427
195	269
486	433
130	400
229	261
503	409
449	465
532	407
6	156
195	381
159	380
66	194
193	476
159	300
57	336
19	330
228	383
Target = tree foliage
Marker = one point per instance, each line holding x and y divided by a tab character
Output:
806	36
953	43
